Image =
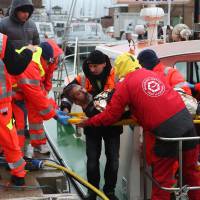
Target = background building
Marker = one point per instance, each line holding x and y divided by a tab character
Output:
6	3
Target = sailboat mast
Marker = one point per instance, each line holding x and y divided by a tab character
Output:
196	11
169	13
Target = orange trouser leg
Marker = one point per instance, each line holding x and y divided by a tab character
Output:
36	128
20	115
10	144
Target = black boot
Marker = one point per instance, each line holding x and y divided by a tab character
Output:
90	196
18	181
111	196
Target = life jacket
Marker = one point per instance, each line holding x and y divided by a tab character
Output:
85	83
5	81
35	58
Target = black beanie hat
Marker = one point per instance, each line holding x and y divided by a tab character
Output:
148	59
47	50
26	8
96	57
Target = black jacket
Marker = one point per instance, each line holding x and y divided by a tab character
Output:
93	80
20	33
180	125
90	110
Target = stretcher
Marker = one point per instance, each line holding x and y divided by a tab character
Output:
77	117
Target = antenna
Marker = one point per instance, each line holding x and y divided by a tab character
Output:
169	12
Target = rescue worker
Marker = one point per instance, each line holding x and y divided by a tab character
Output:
29	86
149	60
160	110
124	64
52	64
8	137
98	76
21	31
48	61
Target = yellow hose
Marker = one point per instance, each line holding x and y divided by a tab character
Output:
78	178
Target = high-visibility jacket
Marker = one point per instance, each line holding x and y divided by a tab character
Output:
30	83
173	77
18	94
5	84
29	86
85	83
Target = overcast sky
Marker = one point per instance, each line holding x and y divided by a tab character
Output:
94	8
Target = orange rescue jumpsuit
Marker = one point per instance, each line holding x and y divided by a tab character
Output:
8	136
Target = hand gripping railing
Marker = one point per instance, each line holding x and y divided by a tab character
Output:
181	191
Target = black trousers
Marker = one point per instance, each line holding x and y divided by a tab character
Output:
93	151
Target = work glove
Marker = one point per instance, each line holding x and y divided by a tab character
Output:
187	84
62	117
60	112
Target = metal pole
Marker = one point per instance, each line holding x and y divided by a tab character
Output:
75	57
183	10
144	167
180	165
196	17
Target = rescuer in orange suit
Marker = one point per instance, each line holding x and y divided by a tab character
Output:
39	106
50	67
8	136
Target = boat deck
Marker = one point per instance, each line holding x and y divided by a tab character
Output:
47	183
72	150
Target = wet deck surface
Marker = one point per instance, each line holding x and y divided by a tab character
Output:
47	176
73	151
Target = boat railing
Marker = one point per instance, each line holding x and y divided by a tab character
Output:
181	192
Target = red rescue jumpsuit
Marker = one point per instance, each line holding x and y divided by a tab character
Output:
38	105
36	121
175	79
49	68
153	103
8	135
